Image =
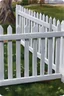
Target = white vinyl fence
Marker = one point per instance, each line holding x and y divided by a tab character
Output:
41	36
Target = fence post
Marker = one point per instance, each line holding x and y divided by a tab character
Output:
62	53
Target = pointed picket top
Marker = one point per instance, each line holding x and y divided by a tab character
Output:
31	13
50	23
58	25
27	11
34	14
40	16
37	15
62	25
43	17
54	21
46	18
58	22
50	20
1	29
9	29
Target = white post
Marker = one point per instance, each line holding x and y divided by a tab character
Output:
62	54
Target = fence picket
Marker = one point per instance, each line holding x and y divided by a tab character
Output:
34	13
34	58
26	54
18	66
43	17
42	60
46	39
26	60
34	55
22	31
41	29
10	71
57	60
31	23
20	18
17	8
39	43
1	56
54	23
50	49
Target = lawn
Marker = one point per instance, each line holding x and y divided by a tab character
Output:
46	88
53	11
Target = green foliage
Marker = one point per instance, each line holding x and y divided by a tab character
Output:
49	88
24	2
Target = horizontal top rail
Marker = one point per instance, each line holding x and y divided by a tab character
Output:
36	20
31	35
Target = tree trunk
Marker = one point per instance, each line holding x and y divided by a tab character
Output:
6	13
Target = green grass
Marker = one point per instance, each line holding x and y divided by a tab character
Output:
53	11
49	88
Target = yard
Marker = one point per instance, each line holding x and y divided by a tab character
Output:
46	88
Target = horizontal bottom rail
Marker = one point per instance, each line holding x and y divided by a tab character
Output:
29	79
